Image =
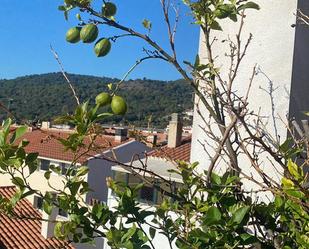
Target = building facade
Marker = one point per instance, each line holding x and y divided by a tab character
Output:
279	50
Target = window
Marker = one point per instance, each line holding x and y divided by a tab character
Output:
62	213
44	164
38	202
65	167
120	176
133	180
166	188
147	194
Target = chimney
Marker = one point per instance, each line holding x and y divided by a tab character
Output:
174	131
45	125
152	140
121	134
48	222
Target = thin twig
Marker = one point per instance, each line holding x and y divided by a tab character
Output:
64	74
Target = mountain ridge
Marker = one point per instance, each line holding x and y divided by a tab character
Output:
45	96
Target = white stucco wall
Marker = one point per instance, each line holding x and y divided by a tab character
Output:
38	181
272	51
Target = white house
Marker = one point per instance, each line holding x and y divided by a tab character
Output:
160	160
280	50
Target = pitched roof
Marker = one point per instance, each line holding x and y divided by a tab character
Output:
182	152
18	233
46	143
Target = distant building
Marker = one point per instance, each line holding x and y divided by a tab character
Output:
159	160
18	233
51	152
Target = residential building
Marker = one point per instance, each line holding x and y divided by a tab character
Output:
51	152
279	50
159	161
19	233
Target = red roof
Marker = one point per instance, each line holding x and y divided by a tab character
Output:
18	233
46	143
161	136
182	152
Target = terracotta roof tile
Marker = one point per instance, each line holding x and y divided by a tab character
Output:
182	152
16	233
46	143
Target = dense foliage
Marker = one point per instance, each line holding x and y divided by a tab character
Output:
43	97
208	210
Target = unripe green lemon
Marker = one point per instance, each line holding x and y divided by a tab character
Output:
103	99
109	9
102	47
73	35
89	33
118	105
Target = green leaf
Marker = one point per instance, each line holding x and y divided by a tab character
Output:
152	232
248	239
74	186
129	234
215	26
287	183
97	211
216	179
213	216
16	197
47	175
104	115
32	167
232	179
47	207
58	230
17	181
20	131
55	169
285	146
61	8
82	171
224	10
293	169
239	215
31	157
28	193
233	17
278	202
5	131
295	193
248	5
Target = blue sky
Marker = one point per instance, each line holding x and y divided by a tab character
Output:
28	27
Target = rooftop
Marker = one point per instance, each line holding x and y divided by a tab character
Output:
46	143
182	152
16	233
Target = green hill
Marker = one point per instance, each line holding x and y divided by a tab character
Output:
42	97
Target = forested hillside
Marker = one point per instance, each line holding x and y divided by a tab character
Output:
42	97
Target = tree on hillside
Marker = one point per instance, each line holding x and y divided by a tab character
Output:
208	210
